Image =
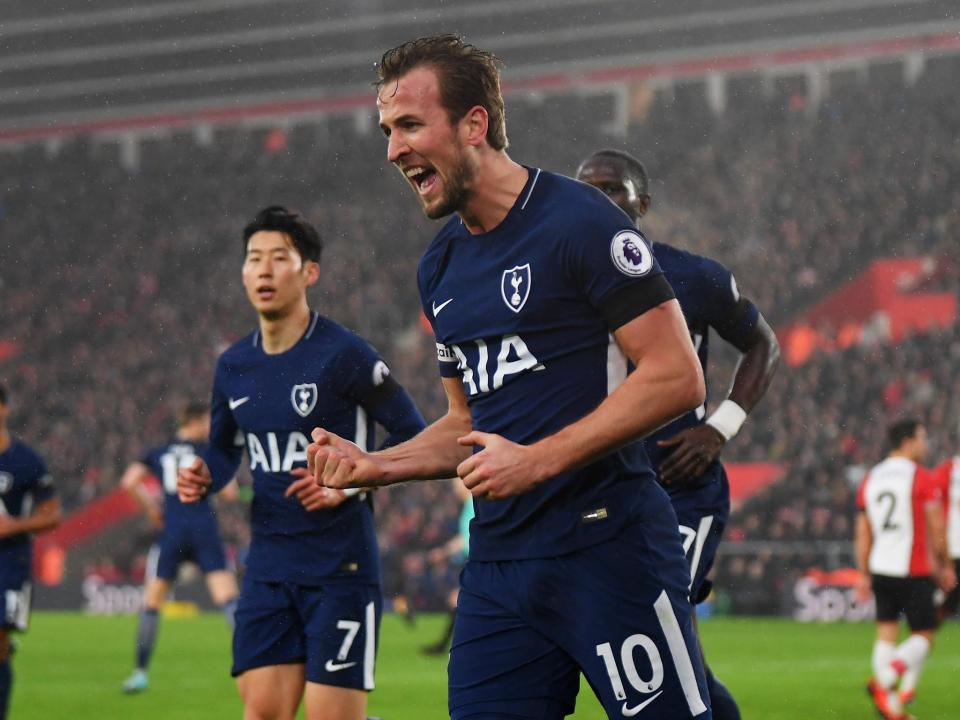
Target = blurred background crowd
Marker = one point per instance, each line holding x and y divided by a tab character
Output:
120	283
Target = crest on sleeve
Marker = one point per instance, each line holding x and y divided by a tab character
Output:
304	398
515	287
630	253
380	373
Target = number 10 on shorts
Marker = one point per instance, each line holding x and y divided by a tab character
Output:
678	653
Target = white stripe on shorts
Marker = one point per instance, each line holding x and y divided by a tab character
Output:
369	646
678	651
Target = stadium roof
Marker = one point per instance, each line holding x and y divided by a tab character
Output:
115	61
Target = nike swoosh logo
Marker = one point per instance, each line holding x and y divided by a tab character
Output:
631	711
331	666
441	306
234	404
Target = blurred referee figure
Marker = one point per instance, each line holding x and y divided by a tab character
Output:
899	513
686	452
28	504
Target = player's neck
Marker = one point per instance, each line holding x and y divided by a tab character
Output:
902	455
494	190
5	439
278	335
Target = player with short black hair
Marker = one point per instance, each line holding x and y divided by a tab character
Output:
899	519
686	452
522	288
187	532
309	610
28	505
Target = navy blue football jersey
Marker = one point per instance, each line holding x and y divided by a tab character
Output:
268	405
24	483
164	462
708	295
522	315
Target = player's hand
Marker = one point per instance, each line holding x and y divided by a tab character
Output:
312	496
863	588
947	578
502	469
155	516
8	526
336	463
693	451
193	481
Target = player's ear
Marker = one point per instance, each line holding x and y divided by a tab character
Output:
312	270
474	124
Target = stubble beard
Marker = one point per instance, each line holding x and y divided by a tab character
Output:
455	190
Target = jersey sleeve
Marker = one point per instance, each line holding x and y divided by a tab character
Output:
730	314
369	383
225	450
446	359
43	488
928	489
613	265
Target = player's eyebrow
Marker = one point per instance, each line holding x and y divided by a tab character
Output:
397	121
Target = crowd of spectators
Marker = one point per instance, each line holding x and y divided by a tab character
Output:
119	275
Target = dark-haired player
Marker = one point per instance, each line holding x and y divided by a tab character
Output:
901	551
522	287
28	504
686	453
309	610
188	532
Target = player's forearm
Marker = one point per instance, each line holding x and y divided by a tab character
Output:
651	396
756	368
431	455
40	520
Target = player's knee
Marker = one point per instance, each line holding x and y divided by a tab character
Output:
4	647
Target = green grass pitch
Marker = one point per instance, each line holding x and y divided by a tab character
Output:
71	666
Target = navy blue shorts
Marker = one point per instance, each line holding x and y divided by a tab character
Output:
195	541
15	595
331	630
617	611
702	515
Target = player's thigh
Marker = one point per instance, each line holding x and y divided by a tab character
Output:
326	702
920	604
630	625
206	546
341	625
500	667
268	627
272	692
166	555
222	585
155	592
4	644
702	516
887	596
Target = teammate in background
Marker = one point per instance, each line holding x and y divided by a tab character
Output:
187	533
309	608
28	504
899	514
522	288
455	551
947	480
686	453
